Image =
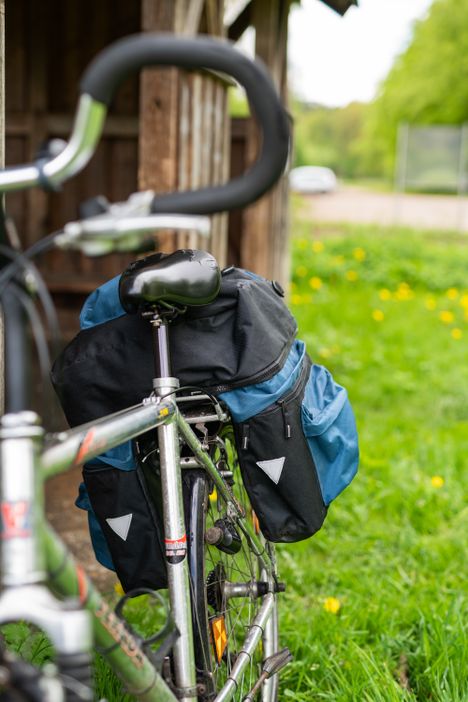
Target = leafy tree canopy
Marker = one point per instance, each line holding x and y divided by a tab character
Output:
427	84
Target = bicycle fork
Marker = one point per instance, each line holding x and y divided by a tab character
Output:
175	538
23	595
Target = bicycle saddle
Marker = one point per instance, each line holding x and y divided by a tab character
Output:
186	277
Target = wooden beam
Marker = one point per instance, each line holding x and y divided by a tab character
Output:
240	24
159	111
61	125
265	238
194	13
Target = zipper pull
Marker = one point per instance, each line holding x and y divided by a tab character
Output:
285	413
245	436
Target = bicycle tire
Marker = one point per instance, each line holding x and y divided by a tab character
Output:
203	507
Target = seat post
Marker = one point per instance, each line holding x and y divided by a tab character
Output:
175	536
162	355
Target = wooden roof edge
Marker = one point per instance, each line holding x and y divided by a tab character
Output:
239	17
340	6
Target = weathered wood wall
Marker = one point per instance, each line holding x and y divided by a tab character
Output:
167	129
49	43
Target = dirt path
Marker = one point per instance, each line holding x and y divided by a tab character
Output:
353	204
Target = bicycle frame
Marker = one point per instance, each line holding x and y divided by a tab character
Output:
31	552
43	552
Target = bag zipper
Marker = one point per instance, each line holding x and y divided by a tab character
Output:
282	405
259	378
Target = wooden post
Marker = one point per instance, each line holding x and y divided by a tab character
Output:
183	120
159	110
265	235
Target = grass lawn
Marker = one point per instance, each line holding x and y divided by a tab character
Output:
376	606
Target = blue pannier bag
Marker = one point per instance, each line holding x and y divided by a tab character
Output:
297	446
294	426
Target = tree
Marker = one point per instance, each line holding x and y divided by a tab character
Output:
427	84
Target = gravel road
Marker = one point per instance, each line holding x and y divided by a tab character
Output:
353	204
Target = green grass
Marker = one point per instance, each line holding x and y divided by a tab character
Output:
393	547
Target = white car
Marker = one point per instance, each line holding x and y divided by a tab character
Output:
312	179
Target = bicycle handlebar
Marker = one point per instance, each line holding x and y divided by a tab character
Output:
114	64
132	53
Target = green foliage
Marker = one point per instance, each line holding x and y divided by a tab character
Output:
427	84
237	103
328	137
386	310
28	643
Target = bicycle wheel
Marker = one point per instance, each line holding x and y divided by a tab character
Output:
228	588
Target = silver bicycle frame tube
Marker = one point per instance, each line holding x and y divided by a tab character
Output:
89	440
175	537
205	462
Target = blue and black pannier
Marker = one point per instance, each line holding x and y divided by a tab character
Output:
294	426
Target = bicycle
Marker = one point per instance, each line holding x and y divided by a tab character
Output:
235	584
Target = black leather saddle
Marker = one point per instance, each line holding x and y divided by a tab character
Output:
186	277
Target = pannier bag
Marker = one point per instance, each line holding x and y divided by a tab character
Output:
294	426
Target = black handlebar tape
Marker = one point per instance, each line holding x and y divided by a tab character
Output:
132	53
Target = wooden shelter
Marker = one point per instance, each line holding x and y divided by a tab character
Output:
167	129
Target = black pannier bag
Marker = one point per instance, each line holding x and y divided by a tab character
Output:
295	430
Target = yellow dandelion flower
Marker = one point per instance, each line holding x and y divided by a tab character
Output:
359	254
325	353
302	244
385	294
456	333
332	605
430	302
446	316
452	293
315	283
352	276
301	271
339	260
213	495
437	481
296	299
317	246
404	292
464	300
378	315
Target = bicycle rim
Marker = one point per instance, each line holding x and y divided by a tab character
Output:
222	622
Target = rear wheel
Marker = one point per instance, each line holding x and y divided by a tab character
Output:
228	586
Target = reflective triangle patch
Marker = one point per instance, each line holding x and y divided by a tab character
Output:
273	468
121	525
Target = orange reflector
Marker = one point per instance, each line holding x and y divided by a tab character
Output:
218	630
256	523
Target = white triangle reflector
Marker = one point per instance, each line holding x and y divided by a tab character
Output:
121	525
273	468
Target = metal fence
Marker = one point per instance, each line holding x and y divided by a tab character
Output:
432	158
